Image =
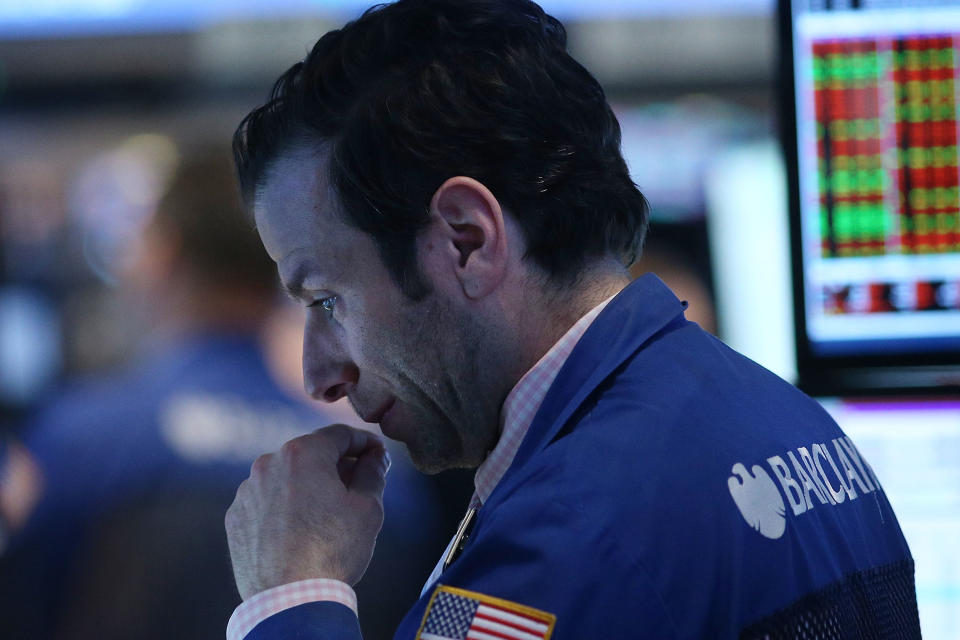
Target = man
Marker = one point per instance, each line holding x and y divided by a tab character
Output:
441	186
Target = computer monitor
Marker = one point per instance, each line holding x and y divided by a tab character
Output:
912	445
870	92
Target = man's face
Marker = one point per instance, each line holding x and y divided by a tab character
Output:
412	367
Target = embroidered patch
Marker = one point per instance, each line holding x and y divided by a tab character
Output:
457	614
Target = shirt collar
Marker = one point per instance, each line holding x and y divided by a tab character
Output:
521	406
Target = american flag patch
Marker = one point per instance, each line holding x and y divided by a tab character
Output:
457	614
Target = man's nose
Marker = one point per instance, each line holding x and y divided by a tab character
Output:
328	374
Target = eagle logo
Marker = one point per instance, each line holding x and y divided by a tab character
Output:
758	499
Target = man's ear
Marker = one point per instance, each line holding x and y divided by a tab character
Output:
469	227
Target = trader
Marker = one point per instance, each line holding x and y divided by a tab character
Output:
441	186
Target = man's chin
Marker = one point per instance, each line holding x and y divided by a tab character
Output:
434	463
429	466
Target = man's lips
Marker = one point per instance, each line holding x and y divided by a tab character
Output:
377	415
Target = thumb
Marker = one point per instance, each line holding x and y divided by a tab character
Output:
370	472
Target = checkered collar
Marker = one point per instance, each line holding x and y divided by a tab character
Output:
521	406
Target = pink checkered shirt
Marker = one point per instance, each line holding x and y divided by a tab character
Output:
252	612
517	414
521	406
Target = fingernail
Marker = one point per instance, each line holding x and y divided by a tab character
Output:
387	461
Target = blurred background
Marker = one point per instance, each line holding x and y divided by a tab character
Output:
103	101
100	99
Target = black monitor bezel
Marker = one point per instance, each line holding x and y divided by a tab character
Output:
819	374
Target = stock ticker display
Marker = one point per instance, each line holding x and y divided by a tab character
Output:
916	209
889	182
879	177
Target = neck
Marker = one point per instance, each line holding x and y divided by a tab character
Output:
550	311
505	339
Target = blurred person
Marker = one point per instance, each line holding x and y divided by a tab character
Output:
20	487
442	187
139	466
5	494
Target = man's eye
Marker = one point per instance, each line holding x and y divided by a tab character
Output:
327	304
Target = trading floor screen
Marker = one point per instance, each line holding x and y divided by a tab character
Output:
913	445
877	92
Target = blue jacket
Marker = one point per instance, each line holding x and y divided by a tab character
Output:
668	488
192	414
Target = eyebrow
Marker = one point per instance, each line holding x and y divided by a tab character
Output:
294	290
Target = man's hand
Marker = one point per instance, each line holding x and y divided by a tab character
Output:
311	510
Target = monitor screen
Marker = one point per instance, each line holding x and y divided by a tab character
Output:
914	448
871	139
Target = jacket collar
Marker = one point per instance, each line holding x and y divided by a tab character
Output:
627	323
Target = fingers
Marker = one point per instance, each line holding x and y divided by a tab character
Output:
370	473
345	468
347	441
334	452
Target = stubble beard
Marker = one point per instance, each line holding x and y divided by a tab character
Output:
457	369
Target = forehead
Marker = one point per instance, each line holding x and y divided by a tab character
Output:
293	204
298	220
